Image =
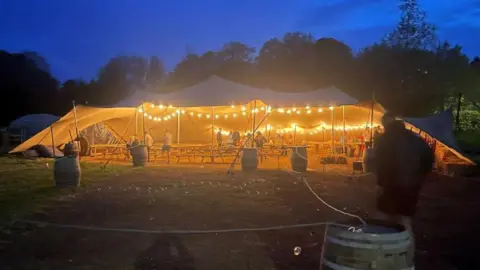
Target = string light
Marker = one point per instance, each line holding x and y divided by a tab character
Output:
177	111
168	117
298	112
294	109
320	110
154	118
170	106
140	110
330	108
160	106
165	118
309	111
151	105
149	117
244	113
207	116
233	106
191	113
216	116
234	115
226	116
281	110
289	111
199	115
183	111
244	108
307	107
262	108
173	114
145	114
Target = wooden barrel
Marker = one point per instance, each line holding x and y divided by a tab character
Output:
299	158
67	172
139	155
368	160
71	149
377	246
249	159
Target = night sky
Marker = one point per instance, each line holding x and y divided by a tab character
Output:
79	36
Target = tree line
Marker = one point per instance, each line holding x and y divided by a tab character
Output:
410	72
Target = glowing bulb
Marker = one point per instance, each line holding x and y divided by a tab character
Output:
170	106
289	111
191	113
298	112
226	116
154	118
199	115
151	105
294	125
262	108
244	108
269	127
173	114
307	107
330	108
244	113
309	111
207	116
165	118
320	110
183	111
145	114
177	111
140	110
294	109
149	117
234	115
281	110
216	116
168	117
160	106
233	106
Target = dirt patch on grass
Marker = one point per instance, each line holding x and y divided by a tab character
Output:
206	198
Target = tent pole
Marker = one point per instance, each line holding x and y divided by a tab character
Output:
53	142
76	124
371	120
213	133
253	126
344	138
136	123
143	121
178	126
333	129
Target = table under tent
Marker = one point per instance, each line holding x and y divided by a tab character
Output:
333	125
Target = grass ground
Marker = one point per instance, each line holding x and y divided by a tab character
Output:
186	198
26	185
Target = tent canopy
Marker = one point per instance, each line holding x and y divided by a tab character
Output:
216	91
33	123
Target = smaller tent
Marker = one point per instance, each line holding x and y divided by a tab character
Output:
33	123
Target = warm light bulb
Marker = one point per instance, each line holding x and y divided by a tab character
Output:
199	115
170	106
298	112
262	108
216	116
159	119
191	113
168	117
149	117
165	118
177	111
269	127
234	115
226	116
207	116
160	106
140	110
145	114
320	110
294	125
233	106
173	114
309	111
244	108
294	109
151	105
289	111
307	107
244	113
281	110
183	111
154	118
330	108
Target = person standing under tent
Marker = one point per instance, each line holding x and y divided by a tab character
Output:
167	144
148	143
236	137
230	144
403	162
219	137
259	142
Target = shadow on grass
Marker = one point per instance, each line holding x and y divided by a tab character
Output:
167	252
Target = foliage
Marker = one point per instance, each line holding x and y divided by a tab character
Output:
409	71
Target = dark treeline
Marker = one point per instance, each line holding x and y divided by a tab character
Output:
411	72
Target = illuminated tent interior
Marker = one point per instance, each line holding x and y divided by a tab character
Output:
311	117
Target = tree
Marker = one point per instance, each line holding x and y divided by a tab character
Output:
413	31
156	71
237	51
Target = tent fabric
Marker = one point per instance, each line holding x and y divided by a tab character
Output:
440	127
216	91
33	123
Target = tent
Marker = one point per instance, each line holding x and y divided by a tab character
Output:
194	114
33	123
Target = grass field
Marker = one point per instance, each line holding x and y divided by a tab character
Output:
26	185
205	198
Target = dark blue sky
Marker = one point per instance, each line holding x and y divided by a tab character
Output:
78	36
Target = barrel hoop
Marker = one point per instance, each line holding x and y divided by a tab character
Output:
341	232
371	241
335	266
367	246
